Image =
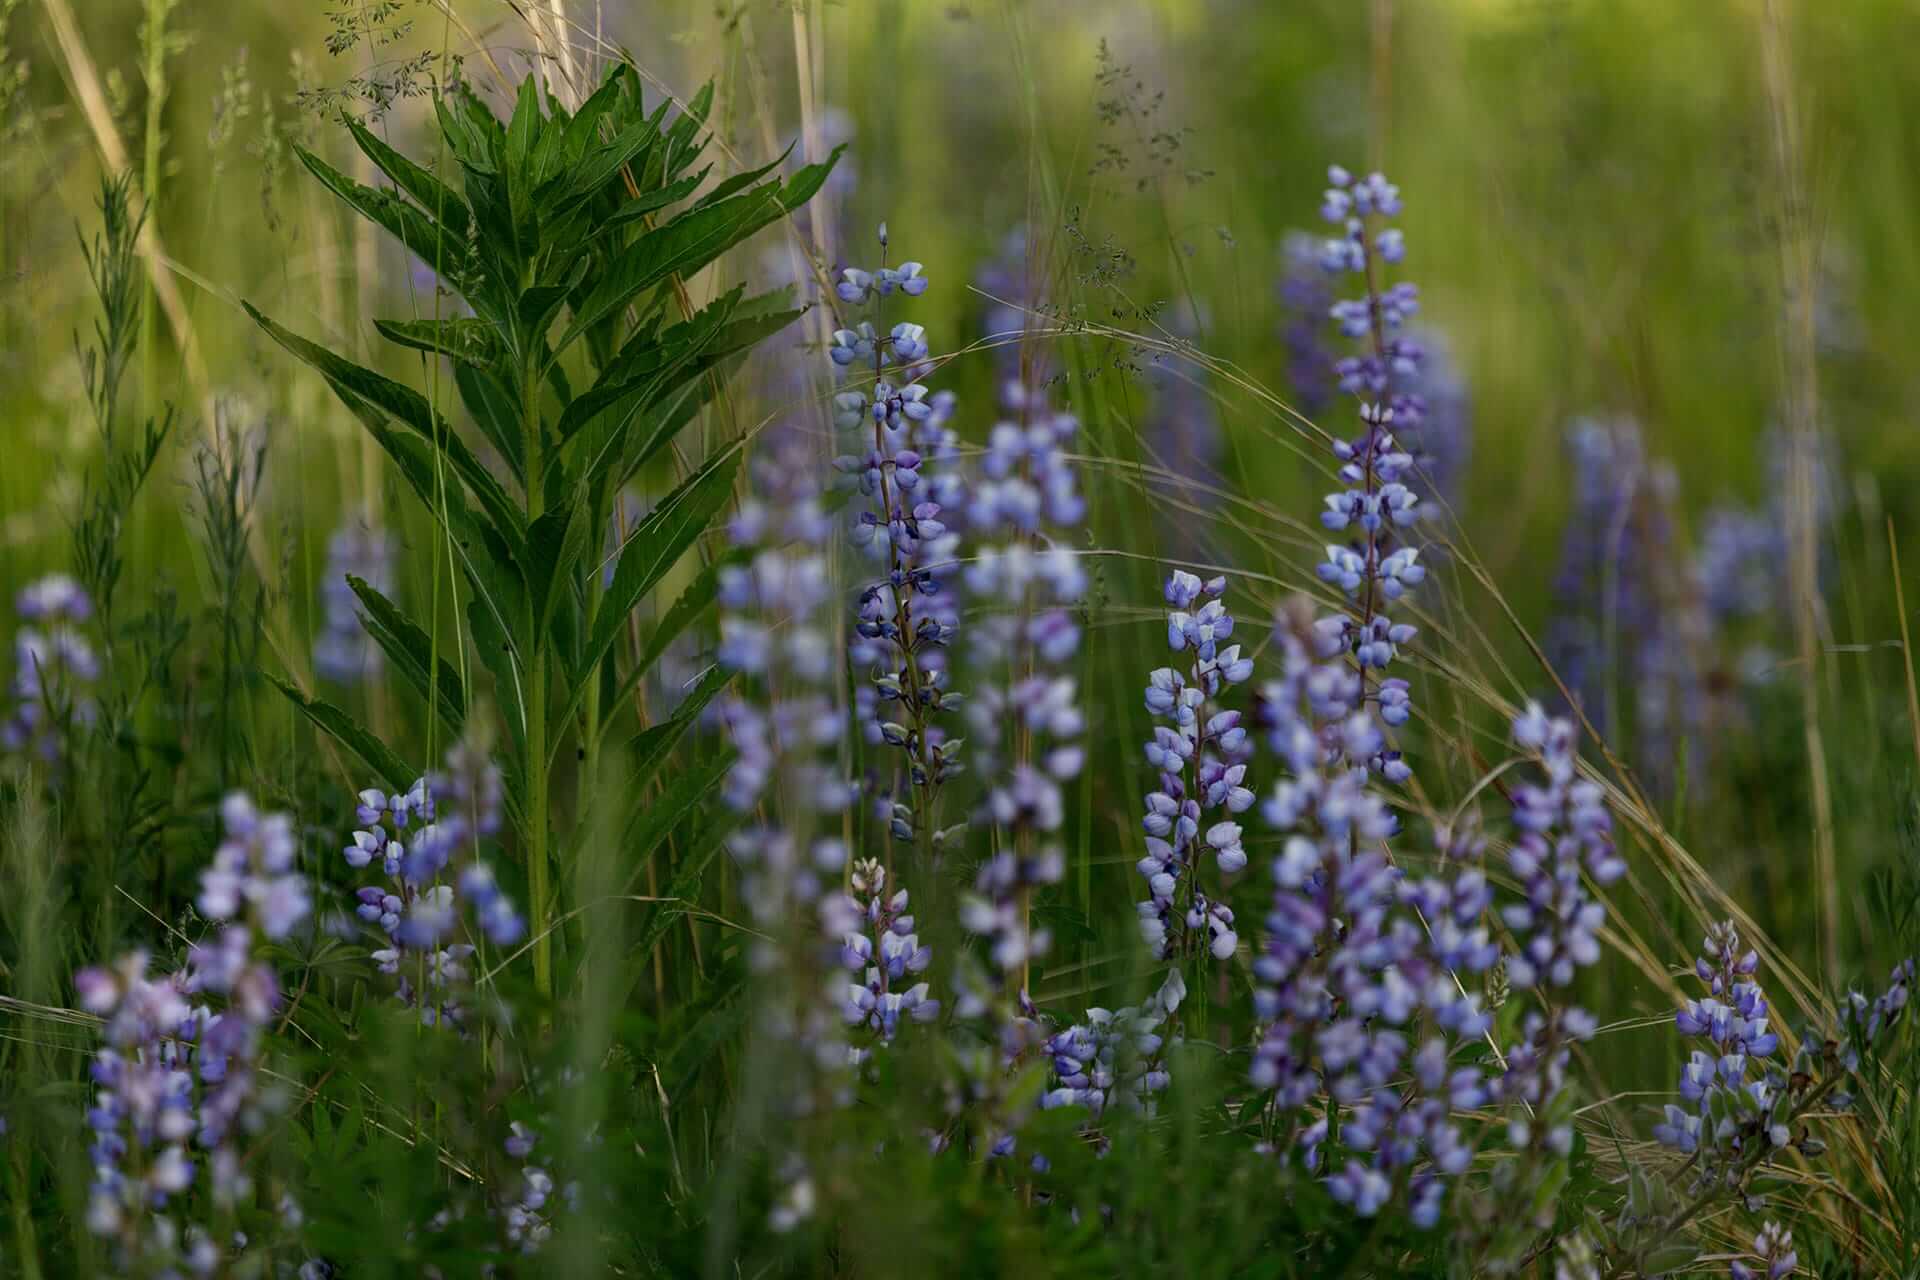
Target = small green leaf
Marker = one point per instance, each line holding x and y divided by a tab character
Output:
410	409
440	201
655	819
426	239
494	410
652	201
459	338
555	543
411	651
337	724
656	545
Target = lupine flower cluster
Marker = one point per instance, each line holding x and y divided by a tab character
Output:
1359	961
342	652
177	1083
898	631
438	894
54	669
1773	1256
1117	1057
885	956
1562	833
1201	752
1740	1102
784	726
1743	1106
1655	644
1025	720
1372	570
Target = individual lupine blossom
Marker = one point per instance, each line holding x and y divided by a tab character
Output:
1116	1057
898	631
439	894
54	669
342	651
1773	1256
1360	963
177	1083
885	956
1374	568
1200	751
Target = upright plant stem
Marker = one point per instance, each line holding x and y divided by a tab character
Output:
156	75
538	884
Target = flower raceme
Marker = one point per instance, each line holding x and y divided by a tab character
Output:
177	1081
902	624
1201	752
438	897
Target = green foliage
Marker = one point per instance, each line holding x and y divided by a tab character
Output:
578	222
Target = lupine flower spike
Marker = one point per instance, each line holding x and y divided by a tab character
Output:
900	628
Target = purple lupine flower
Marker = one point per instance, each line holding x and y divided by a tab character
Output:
1564	832
1026	731
342	651
54	670
1378	508
1629	616
177	1080
902	624
1359	962
1773	1256
1200	754
1116	1058
1306	298
438	897
1736	1093
886	956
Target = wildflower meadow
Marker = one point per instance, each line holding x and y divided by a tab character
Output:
1189	638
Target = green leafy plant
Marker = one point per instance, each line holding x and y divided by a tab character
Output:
569	235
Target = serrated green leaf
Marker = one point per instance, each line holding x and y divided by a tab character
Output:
426	239
410	409
460	338
555	543
649	202
681	247
410	650
341	727
655	546
495	411
435	197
